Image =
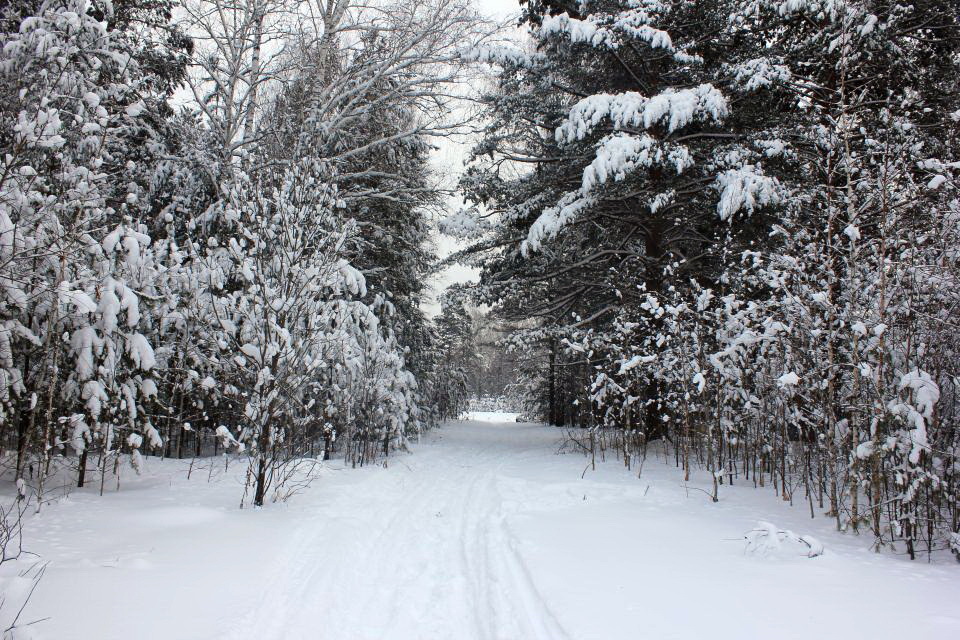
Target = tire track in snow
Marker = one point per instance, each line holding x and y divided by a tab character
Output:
520	608
303	571
405	555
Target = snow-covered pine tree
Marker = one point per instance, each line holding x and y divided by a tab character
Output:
639	169
869	91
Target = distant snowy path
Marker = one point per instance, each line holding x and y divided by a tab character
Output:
484	533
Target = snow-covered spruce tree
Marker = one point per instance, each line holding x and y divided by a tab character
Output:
816	372
875	87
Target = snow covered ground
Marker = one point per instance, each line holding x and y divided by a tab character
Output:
483	533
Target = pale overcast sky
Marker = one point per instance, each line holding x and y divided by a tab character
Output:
449	157
499	8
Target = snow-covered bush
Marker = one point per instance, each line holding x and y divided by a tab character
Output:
767	539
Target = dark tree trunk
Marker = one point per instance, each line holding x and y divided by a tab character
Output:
261	487
553	417
82	471
23	424
653	425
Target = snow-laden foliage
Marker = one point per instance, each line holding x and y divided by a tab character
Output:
73	348
230	259
749	250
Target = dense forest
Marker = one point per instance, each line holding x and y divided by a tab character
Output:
731	226
714	244
214	232
728	229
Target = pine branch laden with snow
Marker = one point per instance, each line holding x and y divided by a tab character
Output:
501	54
615	30
746	189
673	109
625	153
619	155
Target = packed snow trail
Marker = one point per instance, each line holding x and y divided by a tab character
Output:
483	533
423	552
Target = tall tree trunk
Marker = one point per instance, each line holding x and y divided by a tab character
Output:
254	77
553	382
82	468
654	427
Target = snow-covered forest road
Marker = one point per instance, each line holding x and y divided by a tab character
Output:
429	556
483	533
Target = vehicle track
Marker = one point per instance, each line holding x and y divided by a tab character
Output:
416	551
